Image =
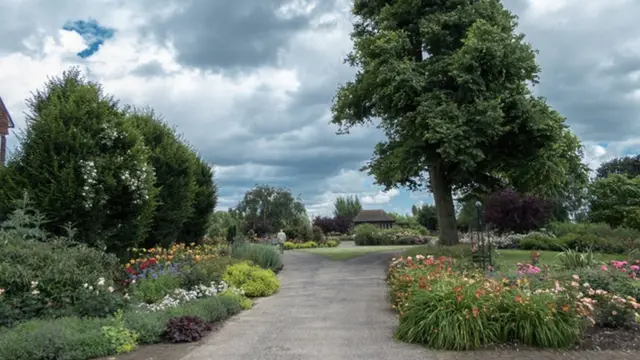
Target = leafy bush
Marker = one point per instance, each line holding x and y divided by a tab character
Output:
336	224
254	280
175	177
151	290
185	329
572	259
204	201
290	245
614	199
82	163
204	272
508	211
265	256
148	325
68	338
540	241
308	245
48	279
122	339
332	243
368	234
318	236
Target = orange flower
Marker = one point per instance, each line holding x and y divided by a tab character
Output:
566	308
519	299
476	312
459	298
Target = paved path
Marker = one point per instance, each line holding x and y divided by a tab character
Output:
331	310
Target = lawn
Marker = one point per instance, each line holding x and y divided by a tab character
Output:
345	253
506	257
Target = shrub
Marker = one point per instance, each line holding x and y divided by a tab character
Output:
508	211
82	163
204	272
204	201
289	245
122	339
307	245
336	224
185	329
253	280
540	241
332	243
318	235
614	199
265	256
48	279
175	177
68	338
151	290
148	325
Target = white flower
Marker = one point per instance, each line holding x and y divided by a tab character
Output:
90	288
34	284
100	281
35	292
85	285
126	296
110	289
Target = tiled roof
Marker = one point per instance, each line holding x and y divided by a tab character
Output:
4	114
373	216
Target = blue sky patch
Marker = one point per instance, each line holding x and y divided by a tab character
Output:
94	35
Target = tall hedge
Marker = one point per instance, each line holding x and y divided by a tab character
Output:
175	172
204	202
82	163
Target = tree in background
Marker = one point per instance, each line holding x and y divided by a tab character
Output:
204	202
449	83
266	209
347	206
175	171
426	215
336	224
508	211
615	200
83	164
221	220
628	165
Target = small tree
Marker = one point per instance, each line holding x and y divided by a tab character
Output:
508	211
615	200
347	207
82	163
337	224
427	216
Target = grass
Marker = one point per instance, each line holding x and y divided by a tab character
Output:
346	253
506	258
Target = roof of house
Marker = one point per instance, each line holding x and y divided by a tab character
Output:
4	113
373	216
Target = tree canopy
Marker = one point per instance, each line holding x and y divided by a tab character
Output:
628	165
268	209
347	206
448	84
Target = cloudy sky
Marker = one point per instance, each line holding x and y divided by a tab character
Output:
249	83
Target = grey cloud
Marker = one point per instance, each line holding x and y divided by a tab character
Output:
226	35
587	63
150	69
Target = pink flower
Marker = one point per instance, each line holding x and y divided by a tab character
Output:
614	313
604	268
575	277
634	267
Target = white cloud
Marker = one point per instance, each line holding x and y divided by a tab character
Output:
382	197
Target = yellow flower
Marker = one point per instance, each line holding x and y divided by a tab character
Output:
132	261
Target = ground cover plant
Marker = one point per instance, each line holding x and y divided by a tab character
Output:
447	304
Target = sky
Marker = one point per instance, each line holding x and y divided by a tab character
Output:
250	83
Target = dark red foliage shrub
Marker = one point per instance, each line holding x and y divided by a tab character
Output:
185	329
337	224
509	211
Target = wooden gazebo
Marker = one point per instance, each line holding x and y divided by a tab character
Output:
376	217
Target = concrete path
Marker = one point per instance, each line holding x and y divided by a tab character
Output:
333	310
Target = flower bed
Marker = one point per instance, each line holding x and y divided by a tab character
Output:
445	307
291	245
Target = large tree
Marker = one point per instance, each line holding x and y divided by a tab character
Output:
347	206
266	209
448	82
628	165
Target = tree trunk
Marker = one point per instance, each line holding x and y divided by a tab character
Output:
441	187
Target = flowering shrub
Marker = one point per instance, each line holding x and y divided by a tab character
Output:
182	296
253	280
368	234
444	307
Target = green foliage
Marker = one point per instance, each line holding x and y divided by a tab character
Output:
205	200
254	280
464	112
204	272
82	163
36	274
628	165
614	199
122	339
539	241
175	177
64	339
427	216
222	222
266	209
185	329
572	259
265	256
368	234
318	235
347	206
151	290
